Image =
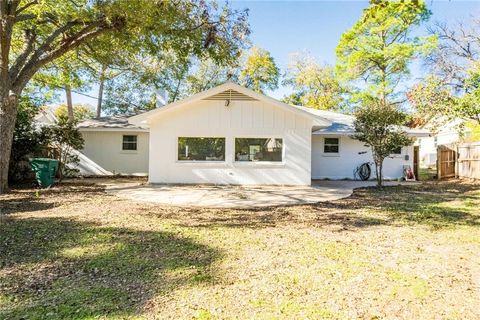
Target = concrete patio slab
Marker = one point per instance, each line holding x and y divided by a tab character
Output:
225	196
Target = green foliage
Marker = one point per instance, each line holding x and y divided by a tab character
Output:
187	30
63	139
127	94
68	70
80	113
468	106
28	140
187	27
259	71
255	69
314	86
31	139
209	75
474	131
379	47
435	102
432	101
379	126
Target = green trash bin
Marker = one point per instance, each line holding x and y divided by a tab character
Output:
45	170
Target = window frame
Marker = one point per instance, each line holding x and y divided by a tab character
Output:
135	143
260	163
395	154
177	160
331	154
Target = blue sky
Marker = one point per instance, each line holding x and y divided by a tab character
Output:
285	27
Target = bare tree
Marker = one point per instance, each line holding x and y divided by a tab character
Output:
458	48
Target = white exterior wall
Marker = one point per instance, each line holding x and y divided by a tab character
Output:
242	119
343	164
448	133
105	149
428	147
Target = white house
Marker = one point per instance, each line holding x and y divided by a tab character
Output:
448	133
232	135
113	146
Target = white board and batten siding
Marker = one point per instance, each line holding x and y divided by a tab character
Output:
241	119
353	153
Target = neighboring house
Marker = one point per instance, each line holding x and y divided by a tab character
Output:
113	146
448	133
232	135
45	117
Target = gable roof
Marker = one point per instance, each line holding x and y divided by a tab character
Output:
224	92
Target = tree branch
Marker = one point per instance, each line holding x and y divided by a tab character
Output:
28	47
25	7
24	17
68	44
50	39
7	19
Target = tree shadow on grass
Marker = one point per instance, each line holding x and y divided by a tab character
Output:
438	205
62	269
24	204
424	204
27	199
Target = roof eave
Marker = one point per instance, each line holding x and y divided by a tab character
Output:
115	129
419	134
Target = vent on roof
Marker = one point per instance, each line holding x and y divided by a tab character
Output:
230	95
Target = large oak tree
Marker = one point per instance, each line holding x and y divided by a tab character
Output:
35	33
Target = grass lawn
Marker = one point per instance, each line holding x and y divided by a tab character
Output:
75	252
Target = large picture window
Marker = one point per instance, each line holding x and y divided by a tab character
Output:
258	149
201	149
331	145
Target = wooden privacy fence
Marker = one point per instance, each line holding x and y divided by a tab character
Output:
459	160
469	160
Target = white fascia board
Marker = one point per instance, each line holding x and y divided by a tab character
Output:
331	133
418	134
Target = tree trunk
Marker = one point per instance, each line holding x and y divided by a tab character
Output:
8	116
380	174
100	91
377	177
378	169
68	94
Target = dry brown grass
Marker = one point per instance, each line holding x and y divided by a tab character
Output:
409	252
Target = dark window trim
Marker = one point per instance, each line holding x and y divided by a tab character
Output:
397	153
201	161
331	145
282	151
133	143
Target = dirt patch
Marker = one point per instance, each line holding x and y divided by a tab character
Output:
405	252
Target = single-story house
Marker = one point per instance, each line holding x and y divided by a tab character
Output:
233	135
113	146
